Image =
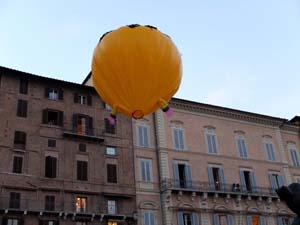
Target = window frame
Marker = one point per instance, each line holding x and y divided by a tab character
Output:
144	143
181	142
150	178
243	153
78	200
270	155
82	165
22	108
16	168
113	180
211	131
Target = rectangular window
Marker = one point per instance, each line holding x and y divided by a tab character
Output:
256	220
248	181
149	218
216	178
241	145
83	99
178	142
270	152
223	219
276	181
284	220
81	204
83	124
82	147
13	222
111	151
187	218
50	167
54	93
17	164
112	173
23	86
53	117
112	207
22	108
14	200
146	168
20	140
182	175
107	107
211	143
49	203
82	170
109	128
294	157
51	143
143	136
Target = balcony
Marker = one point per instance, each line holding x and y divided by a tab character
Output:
221	189
67	209
82	132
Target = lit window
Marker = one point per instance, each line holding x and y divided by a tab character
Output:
110	151
80	204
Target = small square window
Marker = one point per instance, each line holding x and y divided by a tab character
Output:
51	143
110	151
82	147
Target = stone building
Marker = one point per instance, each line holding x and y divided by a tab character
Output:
61	162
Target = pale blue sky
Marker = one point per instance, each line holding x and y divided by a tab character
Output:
242	54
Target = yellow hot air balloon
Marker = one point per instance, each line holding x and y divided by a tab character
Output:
136	70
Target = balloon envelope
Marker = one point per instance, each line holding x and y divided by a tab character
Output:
136	69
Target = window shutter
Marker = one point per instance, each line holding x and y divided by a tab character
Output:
272	183
239	145
140	141
281	181
243	182
222	179
24	108
188	175
60	118
180	218
262	220
48	166
54	166
195	219
79	169
249	220
253	182
176	175
47	92
75	97
152	218
230	220
180	139
90	130
216	219
244	148
148	171
19	108
75	122
60	94
89	100
143	170
211	178
279	221
176	138
146	139
209	143
84	170
214	144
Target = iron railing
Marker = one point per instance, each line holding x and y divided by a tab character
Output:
197	186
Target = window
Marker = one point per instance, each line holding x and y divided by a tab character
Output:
112	173
187	218
14	200
82	147
22	108
182	175
53	117
241	145
216	178
112	207
223	219
81	204
256	220
145	170
49	203
82	170
12	221
20	140
23	86
294	156
283	220
17	164
112	223
178	138
109	128
50	167
297	179
54	93
276	181
268	145
51	143
143	136
211	140
248	181
83	99
149	218
111	151
81	223
49	222
82	124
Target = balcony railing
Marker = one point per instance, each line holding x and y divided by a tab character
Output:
237	189
66	207
84	133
